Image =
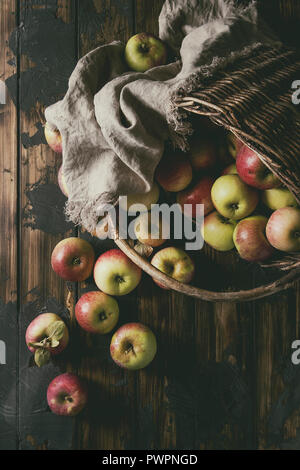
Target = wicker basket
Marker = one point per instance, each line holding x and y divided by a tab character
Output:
253	100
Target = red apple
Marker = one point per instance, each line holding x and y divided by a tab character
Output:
53	137
46	336
62	182
234	145
253	171
67	395
115	273
283	229
200	193
97	312
73	259
174	172
250	239
133	346
202	153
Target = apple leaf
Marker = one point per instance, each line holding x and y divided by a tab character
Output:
54	343
56	330
42	356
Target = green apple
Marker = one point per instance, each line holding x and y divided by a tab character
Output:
277	198
174	262
217	231
233	198
147	199
145	51
133	346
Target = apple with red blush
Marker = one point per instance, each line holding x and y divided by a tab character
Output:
202	153
53	137
250	239
67	395
283	229
73	259
253	171
97	312
199	193
174	172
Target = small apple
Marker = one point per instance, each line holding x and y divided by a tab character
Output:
53	137
230	170
200	193
73	259
62	182
147	199
283	229
233	198
115	273
253	171
67	395
277	198
174	262
234	145
46	336
148	232
202	153
174	172
145	51
97	312
250	239
133	346
217	231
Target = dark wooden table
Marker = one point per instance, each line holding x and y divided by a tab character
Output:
223	377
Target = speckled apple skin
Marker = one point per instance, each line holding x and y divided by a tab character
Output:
38	330
67	385
63	254
90	305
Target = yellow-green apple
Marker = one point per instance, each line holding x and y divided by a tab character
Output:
202	153
62	182
283	229
217	231
253	171
174	262
67	395
53	137
97	312
115	273
250	239
233	198
133	346
174	172
148	232
145	51
234	145
200	193
147	199
277	198
230	170
46	336
73	259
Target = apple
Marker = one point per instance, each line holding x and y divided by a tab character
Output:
145	51
277	198
62	182
200	193
67	395
115	273
230	170
174	262
217	231
202	153
283	229
234	145
147	199
148	232
233	198
46	336
174	172
253	171
250	239
53	137
133	346
97	312
73	259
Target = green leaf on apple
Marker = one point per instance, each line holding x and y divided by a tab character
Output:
42	356
56	331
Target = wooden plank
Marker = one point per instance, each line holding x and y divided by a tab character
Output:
47	53
8	231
